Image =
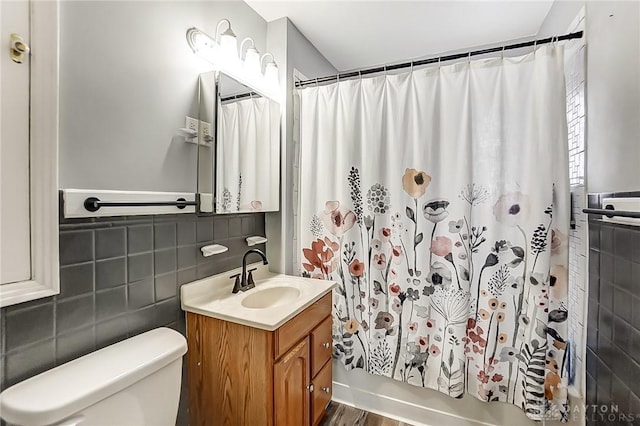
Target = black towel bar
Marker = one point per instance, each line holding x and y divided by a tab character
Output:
94	204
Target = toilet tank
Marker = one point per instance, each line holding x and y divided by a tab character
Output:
133	382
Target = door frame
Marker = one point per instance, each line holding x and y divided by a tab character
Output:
43	162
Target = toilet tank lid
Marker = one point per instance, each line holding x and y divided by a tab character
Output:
69	388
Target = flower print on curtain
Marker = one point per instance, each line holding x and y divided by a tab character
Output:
438	200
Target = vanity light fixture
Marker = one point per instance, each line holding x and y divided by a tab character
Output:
201	44
222	52
251	59
270	72
228	42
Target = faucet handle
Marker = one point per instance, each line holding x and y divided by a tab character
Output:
250	282
236	285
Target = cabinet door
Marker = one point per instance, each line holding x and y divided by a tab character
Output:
321	393
321	345
291	386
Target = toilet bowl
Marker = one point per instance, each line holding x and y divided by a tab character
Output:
133	382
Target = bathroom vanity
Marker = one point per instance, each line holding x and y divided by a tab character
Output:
262	357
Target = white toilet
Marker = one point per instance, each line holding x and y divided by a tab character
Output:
133	382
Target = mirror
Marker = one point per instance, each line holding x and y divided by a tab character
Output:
242	165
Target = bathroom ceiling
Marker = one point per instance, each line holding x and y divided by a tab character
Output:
359	34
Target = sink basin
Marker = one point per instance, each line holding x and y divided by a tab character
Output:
271	297
275	299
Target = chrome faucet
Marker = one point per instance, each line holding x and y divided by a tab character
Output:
246	282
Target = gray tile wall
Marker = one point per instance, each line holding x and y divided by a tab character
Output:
119	277
613	322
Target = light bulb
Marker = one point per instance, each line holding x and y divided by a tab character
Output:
252	62
229	45
271	77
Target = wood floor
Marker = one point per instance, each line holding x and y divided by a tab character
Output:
342	415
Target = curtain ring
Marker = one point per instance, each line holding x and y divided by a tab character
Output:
411	67
316	81
535	44
338	78
503	52
385	70
469	57
439	61
360	74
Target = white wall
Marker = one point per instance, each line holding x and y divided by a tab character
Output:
613	89
303	56
559	18
127	80
613	96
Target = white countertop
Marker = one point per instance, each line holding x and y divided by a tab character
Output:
212	297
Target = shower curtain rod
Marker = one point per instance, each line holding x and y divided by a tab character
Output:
240	96
385	68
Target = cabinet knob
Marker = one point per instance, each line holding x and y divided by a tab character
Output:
326	389
310	388
326	345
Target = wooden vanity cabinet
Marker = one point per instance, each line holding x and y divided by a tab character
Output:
240	375
291	383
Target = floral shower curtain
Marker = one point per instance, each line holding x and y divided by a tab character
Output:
438	200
